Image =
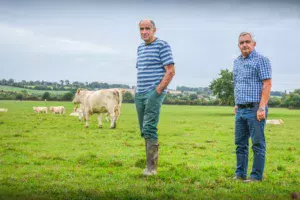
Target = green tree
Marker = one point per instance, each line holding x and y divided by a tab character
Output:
19	97
223	87
127	97
46	95
292	100
193	97
274	101
67	96
11	81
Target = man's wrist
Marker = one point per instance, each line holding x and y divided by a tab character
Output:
261	109
158	89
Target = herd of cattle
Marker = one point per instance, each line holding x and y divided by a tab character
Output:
105	101
53	109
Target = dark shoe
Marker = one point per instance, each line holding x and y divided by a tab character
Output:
251	180
239	178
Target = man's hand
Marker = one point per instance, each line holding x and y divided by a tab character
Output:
170	72
235	108
158	91
260	115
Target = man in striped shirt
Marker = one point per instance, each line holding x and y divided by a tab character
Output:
155	70
252	85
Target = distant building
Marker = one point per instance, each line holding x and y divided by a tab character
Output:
174	92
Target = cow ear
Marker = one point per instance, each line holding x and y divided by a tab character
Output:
78	90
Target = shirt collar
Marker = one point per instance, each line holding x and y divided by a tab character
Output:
152	42
251	55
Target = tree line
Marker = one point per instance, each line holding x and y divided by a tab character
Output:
219	92
61	85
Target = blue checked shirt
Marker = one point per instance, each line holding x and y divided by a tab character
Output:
151	60
248	74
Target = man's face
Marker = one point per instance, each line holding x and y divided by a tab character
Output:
147	31
246	45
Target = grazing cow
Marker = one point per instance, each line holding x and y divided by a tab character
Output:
57	109
274	121
40	109
3	109
101	101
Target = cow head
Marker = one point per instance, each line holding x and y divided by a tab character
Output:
77	97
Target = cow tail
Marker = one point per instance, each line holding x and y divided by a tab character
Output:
120	98
118	95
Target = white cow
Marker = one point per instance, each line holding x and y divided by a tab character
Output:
57	109
40	109
274	121
3	109
101	101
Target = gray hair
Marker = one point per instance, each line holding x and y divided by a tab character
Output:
152	22
247	33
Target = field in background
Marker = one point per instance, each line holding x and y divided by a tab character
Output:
29	91
55	157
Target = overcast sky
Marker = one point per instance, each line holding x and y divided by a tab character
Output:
97	41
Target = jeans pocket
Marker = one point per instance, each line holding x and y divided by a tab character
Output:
157	93
154	93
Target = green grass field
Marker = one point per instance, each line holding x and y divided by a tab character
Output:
47	156
29	91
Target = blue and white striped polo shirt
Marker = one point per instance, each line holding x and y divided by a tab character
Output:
248	74
151	60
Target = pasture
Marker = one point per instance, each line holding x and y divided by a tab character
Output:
30	91
47	156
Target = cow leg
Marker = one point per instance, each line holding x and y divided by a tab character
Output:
107	117
100	120
117	112
87	118
113	119
80	116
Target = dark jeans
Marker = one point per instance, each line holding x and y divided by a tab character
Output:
148	108
246	126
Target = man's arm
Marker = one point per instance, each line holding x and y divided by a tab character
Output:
170	72
267	84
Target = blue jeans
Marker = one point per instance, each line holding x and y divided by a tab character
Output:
148	109
246	126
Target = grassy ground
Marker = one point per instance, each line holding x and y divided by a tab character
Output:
55	157
29	91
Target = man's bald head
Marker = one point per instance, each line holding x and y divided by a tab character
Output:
148	20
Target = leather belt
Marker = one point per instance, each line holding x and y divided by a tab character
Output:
248	105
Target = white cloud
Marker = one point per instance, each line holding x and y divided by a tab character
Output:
26	40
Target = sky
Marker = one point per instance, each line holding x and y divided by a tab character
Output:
90	41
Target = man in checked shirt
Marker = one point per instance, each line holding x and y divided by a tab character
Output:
252	85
